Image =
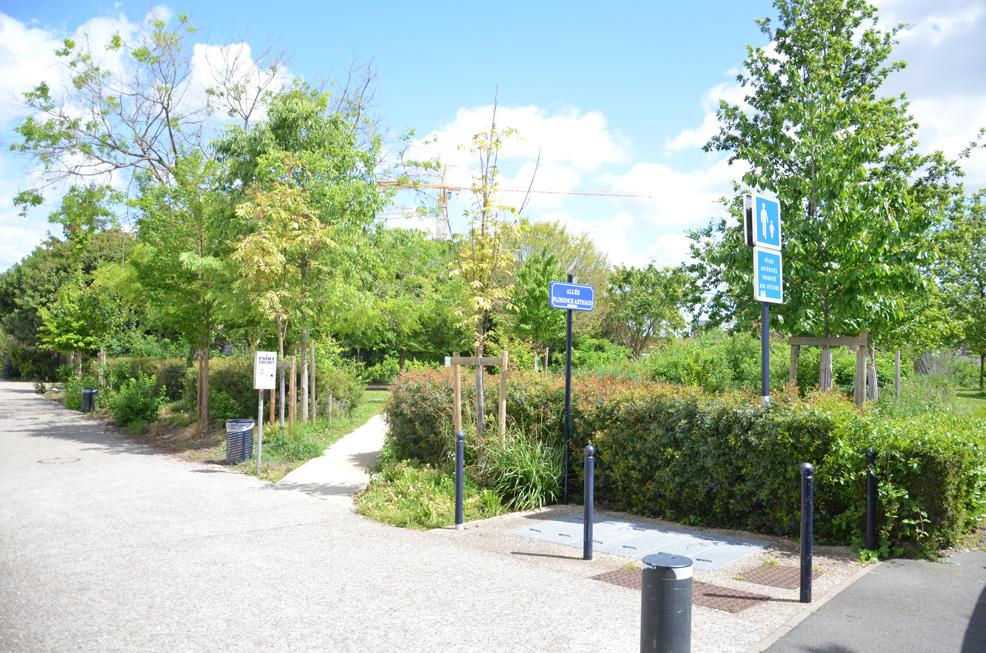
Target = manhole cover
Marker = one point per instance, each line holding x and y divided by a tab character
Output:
704	594
775	576
59	461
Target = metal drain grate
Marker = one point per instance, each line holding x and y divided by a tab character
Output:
788	578
704	594
725	598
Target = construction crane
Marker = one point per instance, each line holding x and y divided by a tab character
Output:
446	190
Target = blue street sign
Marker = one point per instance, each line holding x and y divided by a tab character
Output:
762	223
571	296
768	276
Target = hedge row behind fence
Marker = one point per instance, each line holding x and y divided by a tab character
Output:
720	460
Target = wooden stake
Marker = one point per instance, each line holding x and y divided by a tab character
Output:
457	403
293	399
503	398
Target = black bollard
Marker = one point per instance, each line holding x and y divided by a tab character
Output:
807	502
871	543
460	454
666	604
590	466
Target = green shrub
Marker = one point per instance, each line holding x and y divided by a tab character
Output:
137	400
230	382
343	384
170	373
383	372
73	391
721	460
524	471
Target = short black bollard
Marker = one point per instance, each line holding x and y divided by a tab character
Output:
871	543
666	604
807	528
460	454
590	466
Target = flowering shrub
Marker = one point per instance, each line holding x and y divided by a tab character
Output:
678	453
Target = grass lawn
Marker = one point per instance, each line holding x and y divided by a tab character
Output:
969	401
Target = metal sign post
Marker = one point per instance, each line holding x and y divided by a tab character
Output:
570	297
264	371
762	232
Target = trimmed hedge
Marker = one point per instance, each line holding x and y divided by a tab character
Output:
678	453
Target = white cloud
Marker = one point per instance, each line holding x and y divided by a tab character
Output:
26	54
565	137
608	235
677	198
670	249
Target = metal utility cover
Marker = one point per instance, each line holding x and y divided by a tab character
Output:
635	540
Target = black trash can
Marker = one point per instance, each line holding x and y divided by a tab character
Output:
89	399
239	440
666	604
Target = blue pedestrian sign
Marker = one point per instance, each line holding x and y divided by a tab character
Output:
762	223
768	276
571	296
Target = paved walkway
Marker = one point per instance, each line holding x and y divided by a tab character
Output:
341	472
105	545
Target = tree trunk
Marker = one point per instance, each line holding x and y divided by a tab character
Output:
825	370
874	382
102	364
313	382
304	375
402	360
205	392
982	369
280	353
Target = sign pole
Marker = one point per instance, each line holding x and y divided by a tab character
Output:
260	428
568	395
764	354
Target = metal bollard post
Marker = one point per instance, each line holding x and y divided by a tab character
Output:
807	528
871	543
460	454
666	604
590	465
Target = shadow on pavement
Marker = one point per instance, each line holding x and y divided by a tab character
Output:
975	635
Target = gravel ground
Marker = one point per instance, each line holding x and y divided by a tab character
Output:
105	546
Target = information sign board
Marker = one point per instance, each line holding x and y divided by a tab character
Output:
762	221
768	276
264	369
571	296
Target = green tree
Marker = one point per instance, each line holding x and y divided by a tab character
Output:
575	254
484	258
130	106
181	260
646	303
535	320
405	299
857	200
963	274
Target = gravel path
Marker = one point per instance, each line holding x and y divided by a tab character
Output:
106	546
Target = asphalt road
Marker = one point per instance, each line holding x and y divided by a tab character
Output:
903	606
107	547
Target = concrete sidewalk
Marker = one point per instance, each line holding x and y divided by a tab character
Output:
342	471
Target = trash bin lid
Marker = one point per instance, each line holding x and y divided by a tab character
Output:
667	561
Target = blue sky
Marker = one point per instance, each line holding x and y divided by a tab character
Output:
616	97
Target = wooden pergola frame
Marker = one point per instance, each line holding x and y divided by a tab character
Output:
480	362
860	342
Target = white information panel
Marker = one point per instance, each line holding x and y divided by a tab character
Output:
264	370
